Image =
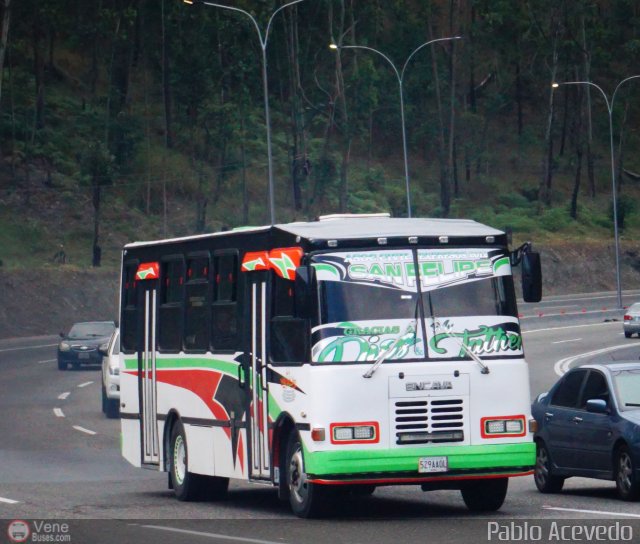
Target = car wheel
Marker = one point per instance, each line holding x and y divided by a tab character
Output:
104	400
112	408
545	480
307	500
627	335
626	481
485	495
62	365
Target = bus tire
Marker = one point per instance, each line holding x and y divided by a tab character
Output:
307	500
485	495
186	485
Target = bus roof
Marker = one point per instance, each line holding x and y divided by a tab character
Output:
352	227
338	228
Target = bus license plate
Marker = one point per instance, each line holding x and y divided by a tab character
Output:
433	464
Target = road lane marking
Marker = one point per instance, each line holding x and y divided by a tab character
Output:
47	361
597	512
209	535
573	327
85	384
63	396
565	341
58	412
28	347
83	430
8	501
564	314
563	365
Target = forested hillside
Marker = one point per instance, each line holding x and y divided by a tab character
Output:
132	119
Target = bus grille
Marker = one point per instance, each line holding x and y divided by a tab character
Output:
429	421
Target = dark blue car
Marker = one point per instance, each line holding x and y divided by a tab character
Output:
589	426
81	346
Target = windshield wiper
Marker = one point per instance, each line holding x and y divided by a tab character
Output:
634	404
467	350
383	356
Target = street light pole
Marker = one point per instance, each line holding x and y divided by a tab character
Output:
613	169
400	77
265	82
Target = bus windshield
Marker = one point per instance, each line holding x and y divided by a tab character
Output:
367	299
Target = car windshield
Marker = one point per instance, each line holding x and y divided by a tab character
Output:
627	383
91	330
370	299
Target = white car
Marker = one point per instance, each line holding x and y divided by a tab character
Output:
111	376
631	323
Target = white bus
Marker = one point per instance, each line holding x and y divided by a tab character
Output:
329	356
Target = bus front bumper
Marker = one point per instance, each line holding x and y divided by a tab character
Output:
400	466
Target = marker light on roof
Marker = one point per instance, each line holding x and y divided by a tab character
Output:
382	241
444	239
490	239
413	239
332	243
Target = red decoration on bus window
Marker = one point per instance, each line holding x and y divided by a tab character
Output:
148	271
284	261
258	260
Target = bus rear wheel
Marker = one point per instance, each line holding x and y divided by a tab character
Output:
485	495
187	485
307	500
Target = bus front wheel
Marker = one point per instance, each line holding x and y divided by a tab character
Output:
485	495
307	500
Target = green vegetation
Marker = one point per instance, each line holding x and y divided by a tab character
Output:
124	120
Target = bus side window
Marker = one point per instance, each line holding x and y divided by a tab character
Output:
170	315
196	323
128	320
224	319
283	296
289	338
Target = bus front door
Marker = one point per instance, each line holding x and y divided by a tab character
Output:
147	375
259	410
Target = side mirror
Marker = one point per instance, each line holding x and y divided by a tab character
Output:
531	277
304	290
596	406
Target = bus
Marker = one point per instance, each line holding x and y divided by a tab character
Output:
329	357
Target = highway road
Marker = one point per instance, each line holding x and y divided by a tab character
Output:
60	460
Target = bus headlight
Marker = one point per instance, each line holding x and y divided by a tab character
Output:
503	426
355	433
114	370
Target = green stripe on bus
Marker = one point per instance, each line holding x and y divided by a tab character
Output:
406	459
500	262
186	362
274	409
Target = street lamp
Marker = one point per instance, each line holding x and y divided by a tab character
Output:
400	77
613	172
265	83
